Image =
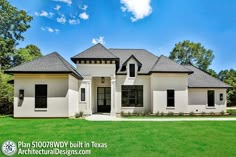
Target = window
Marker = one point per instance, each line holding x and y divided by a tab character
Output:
41	96
211	98
170	98
132	70
221	97
82	94
132	96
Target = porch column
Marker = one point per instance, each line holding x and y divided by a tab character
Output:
113	97
89	96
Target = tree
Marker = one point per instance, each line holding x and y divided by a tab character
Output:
212	73
13	23
29	53
187	52
229	77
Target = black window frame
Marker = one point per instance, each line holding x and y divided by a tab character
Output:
132	95
41	97
131	70
82	94
170	98
211	100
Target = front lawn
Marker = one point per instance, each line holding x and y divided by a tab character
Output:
213	138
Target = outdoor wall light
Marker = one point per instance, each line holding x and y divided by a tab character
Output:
102	79
21	94
221	97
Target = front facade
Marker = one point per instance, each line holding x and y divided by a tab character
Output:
113	81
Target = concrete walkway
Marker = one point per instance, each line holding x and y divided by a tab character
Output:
101	117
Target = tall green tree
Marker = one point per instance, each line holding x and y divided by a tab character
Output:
229	77
13	23
189	52
29	53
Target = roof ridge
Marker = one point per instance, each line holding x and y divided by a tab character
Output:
62	60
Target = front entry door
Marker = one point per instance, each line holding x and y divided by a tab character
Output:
104	99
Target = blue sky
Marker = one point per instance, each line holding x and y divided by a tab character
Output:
71	26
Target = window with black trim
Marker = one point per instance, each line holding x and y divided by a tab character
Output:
221	96
132	96
82	94
211	98
41	96
170	98
131	70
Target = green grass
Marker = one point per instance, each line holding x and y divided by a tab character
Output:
130	139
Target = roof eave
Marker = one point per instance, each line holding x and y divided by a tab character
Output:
44	72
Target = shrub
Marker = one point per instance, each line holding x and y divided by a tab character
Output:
170	113
222	113
157	114
203	113
162	114
122	114
191	113
129	114
79	115
181	114
212	113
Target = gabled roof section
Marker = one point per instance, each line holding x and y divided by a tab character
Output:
51	63
166	65
132	56
97	51
146	58
201	79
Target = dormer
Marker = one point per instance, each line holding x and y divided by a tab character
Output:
132	65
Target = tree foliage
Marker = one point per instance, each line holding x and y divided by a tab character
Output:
189	52
229	77
13	23
26	54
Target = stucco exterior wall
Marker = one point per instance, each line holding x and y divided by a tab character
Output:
160	83
57	102
73	95
198	100
99	70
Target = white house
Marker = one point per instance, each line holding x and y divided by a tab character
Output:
113	80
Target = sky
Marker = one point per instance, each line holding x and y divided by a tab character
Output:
71	26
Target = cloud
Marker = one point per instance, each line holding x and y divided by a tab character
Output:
74	21
44	14
138	8
98	40
84	16
84	7
69	2
61	19
49	29
57	7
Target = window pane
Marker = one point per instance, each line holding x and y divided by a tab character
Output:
132	95
40	96
131	70
211	98
170	98
82	94
101	90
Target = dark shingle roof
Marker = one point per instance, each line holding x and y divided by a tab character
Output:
51	63
201	79
96	51
166	65
146	58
